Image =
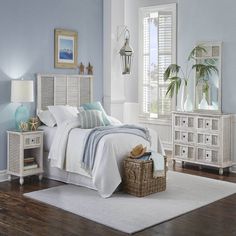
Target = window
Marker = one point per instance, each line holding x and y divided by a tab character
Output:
157	51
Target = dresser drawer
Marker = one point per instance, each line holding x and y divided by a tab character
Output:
32	140
184	136
207	155
208	139
184	151
184	121
207	123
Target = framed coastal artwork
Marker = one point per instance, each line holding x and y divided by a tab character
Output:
66	48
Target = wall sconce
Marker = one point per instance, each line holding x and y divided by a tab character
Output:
126	52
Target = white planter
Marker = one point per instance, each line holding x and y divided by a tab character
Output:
188	105
203	104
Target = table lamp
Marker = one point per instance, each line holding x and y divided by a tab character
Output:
22	91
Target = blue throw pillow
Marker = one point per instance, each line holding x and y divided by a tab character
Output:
90	119
97	106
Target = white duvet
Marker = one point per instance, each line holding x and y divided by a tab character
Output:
67	149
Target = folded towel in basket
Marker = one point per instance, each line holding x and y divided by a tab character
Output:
158	164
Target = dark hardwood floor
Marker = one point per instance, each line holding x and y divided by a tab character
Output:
22	216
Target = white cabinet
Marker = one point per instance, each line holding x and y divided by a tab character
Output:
202	139
25	154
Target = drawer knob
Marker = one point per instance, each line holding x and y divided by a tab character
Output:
207	155
183	151
207	139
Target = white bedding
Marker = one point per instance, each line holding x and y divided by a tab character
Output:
66	152
48	136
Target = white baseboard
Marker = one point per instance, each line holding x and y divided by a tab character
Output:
167	146
3	175
233	169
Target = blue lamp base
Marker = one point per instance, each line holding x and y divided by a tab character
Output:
21	115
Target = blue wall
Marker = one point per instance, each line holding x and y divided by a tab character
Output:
27	46
211	20
197	20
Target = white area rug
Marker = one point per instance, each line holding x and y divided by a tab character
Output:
131	214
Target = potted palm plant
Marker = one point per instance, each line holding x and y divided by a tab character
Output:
177	76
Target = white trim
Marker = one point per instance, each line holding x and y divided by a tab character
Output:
142	11
233	118
161	7
118	101
233	169
164	122
3	176
167	146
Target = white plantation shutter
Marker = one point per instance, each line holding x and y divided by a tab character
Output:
157	53
146	65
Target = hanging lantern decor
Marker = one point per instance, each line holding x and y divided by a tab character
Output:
126	53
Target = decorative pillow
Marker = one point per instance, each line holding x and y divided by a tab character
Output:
47	118
80	109
62	113
97	106
113	120
90	119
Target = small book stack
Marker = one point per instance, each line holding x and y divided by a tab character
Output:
30	163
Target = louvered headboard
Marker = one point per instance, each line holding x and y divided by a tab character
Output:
57	89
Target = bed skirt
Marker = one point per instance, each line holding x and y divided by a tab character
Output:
64	176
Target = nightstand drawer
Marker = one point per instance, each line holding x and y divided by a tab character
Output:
32	140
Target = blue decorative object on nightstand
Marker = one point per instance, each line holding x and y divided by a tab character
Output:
22	91
21	115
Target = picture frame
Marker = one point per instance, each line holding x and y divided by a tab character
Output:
65	49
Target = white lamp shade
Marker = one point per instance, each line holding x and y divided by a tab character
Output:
22	91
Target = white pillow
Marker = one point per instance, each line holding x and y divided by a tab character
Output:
62	113
47	118
114	121
73	110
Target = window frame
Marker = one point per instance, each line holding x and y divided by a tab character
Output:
142	12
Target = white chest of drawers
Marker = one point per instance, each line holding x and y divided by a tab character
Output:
203	139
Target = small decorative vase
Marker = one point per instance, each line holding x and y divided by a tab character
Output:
188	106
21	115
203	104
182	97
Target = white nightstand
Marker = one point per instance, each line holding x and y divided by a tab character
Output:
25	154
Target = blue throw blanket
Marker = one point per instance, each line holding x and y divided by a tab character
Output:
93	138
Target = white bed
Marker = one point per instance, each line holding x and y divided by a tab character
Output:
49	134
66	142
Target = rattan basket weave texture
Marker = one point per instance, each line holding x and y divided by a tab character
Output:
138	178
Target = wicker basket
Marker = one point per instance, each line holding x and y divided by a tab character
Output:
138	178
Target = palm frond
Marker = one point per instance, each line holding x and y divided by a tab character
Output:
171	89
204	71
196	51
171	70
210	61
174	86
